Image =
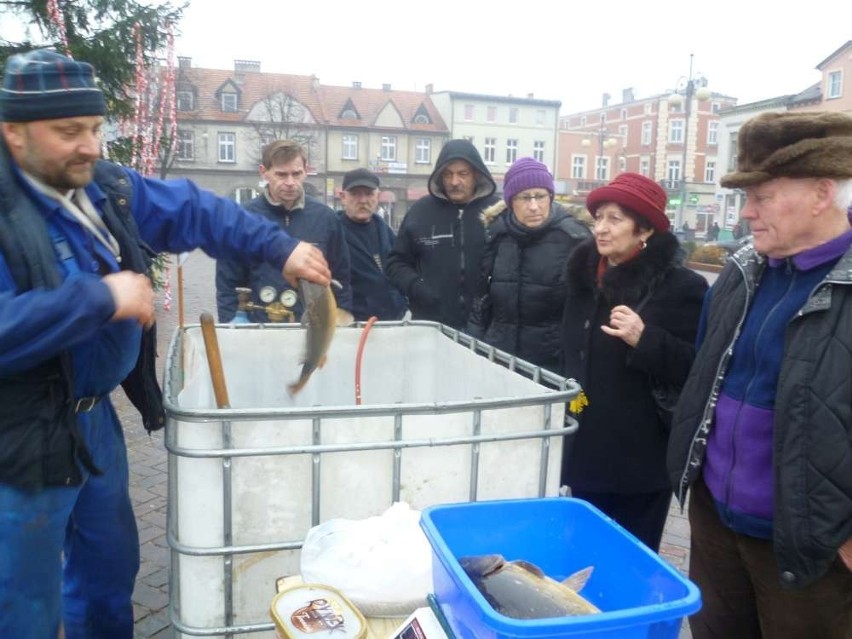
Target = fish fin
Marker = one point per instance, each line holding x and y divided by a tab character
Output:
292	389
529	567
481	565
578	580
344	317
337	285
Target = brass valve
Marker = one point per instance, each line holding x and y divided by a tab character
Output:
277	308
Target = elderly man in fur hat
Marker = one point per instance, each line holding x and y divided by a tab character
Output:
763	431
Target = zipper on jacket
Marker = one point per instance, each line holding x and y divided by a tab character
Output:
710	406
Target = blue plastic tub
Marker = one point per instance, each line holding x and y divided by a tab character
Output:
640	595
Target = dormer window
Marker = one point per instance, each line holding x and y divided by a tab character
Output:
349	112
421	116
184	98
228	101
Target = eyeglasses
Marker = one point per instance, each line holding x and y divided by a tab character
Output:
538	197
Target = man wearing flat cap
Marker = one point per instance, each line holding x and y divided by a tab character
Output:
76	318
763	431
370	240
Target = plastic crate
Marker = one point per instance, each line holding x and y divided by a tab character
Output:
640	595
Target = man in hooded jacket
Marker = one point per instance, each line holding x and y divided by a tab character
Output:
436	258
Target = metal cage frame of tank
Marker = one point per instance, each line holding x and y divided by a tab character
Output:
563	391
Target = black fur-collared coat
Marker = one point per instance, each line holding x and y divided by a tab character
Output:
620	446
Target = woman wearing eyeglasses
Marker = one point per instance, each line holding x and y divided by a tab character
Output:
631	316
529	239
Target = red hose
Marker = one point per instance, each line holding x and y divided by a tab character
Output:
361	343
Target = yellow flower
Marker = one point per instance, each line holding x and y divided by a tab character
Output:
577	404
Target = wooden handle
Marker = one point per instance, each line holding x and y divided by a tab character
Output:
214	360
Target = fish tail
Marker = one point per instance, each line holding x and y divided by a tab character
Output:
299	384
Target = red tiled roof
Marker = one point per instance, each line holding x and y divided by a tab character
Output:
371	102
252	86
325	103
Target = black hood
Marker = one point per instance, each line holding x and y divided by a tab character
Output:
462	150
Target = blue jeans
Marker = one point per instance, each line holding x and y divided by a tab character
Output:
72	553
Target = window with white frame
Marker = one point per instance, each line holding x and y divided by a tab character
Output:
423	151
623	114
538	150
513	115
185	145
389	148
468	112
582	120
647	130
715	107
511	151
228	102
713	133
578	167
622	134
491	113
645	166
227	147
602	169
676	131
648	108
490	151
539	117
349	146
835	85
673	170
710	171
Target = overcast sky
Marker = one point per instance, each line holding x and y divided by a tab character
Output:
571	51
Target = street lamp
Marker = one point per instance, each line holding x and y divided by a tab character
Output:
687	88
604	141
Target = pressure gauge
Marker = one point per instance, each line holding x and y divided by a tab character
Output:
267	294
289	297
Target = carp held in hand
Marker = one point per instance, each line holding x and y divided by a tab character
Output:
519	589
321	316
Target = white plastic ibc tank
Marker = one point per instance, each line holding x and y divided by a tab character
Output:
439	423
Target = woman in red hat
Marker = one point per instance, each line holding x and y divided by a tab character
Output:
629	326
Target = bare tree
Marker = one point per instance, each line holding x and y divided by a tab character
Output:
280	116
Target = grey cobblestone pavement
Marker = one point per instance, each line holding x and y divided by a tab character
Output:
148	469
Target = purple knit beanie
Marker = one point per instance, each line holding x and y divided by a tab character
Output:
524	174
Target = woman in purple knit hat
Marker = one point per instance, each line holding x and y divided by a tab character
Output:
528	240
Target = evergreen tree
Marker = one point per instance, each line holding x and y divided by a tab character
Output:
101	32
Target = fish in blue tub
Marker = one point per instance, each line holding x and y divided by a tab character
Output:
519	589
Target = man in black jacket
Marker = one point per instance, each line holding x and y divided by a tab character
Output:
438	250
762	435
370	240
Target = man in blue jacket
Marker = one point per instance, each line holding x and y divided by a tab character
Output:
284	168
370	240
75	303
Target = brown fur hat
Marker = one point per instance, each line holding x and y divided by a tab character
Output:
793	145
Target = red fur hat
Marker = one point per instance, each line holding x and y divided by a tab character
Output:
636	192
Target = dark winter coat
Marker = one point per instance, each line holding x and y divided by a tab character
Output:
315	223
811	449
524	269
436	258
620	446
372	293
